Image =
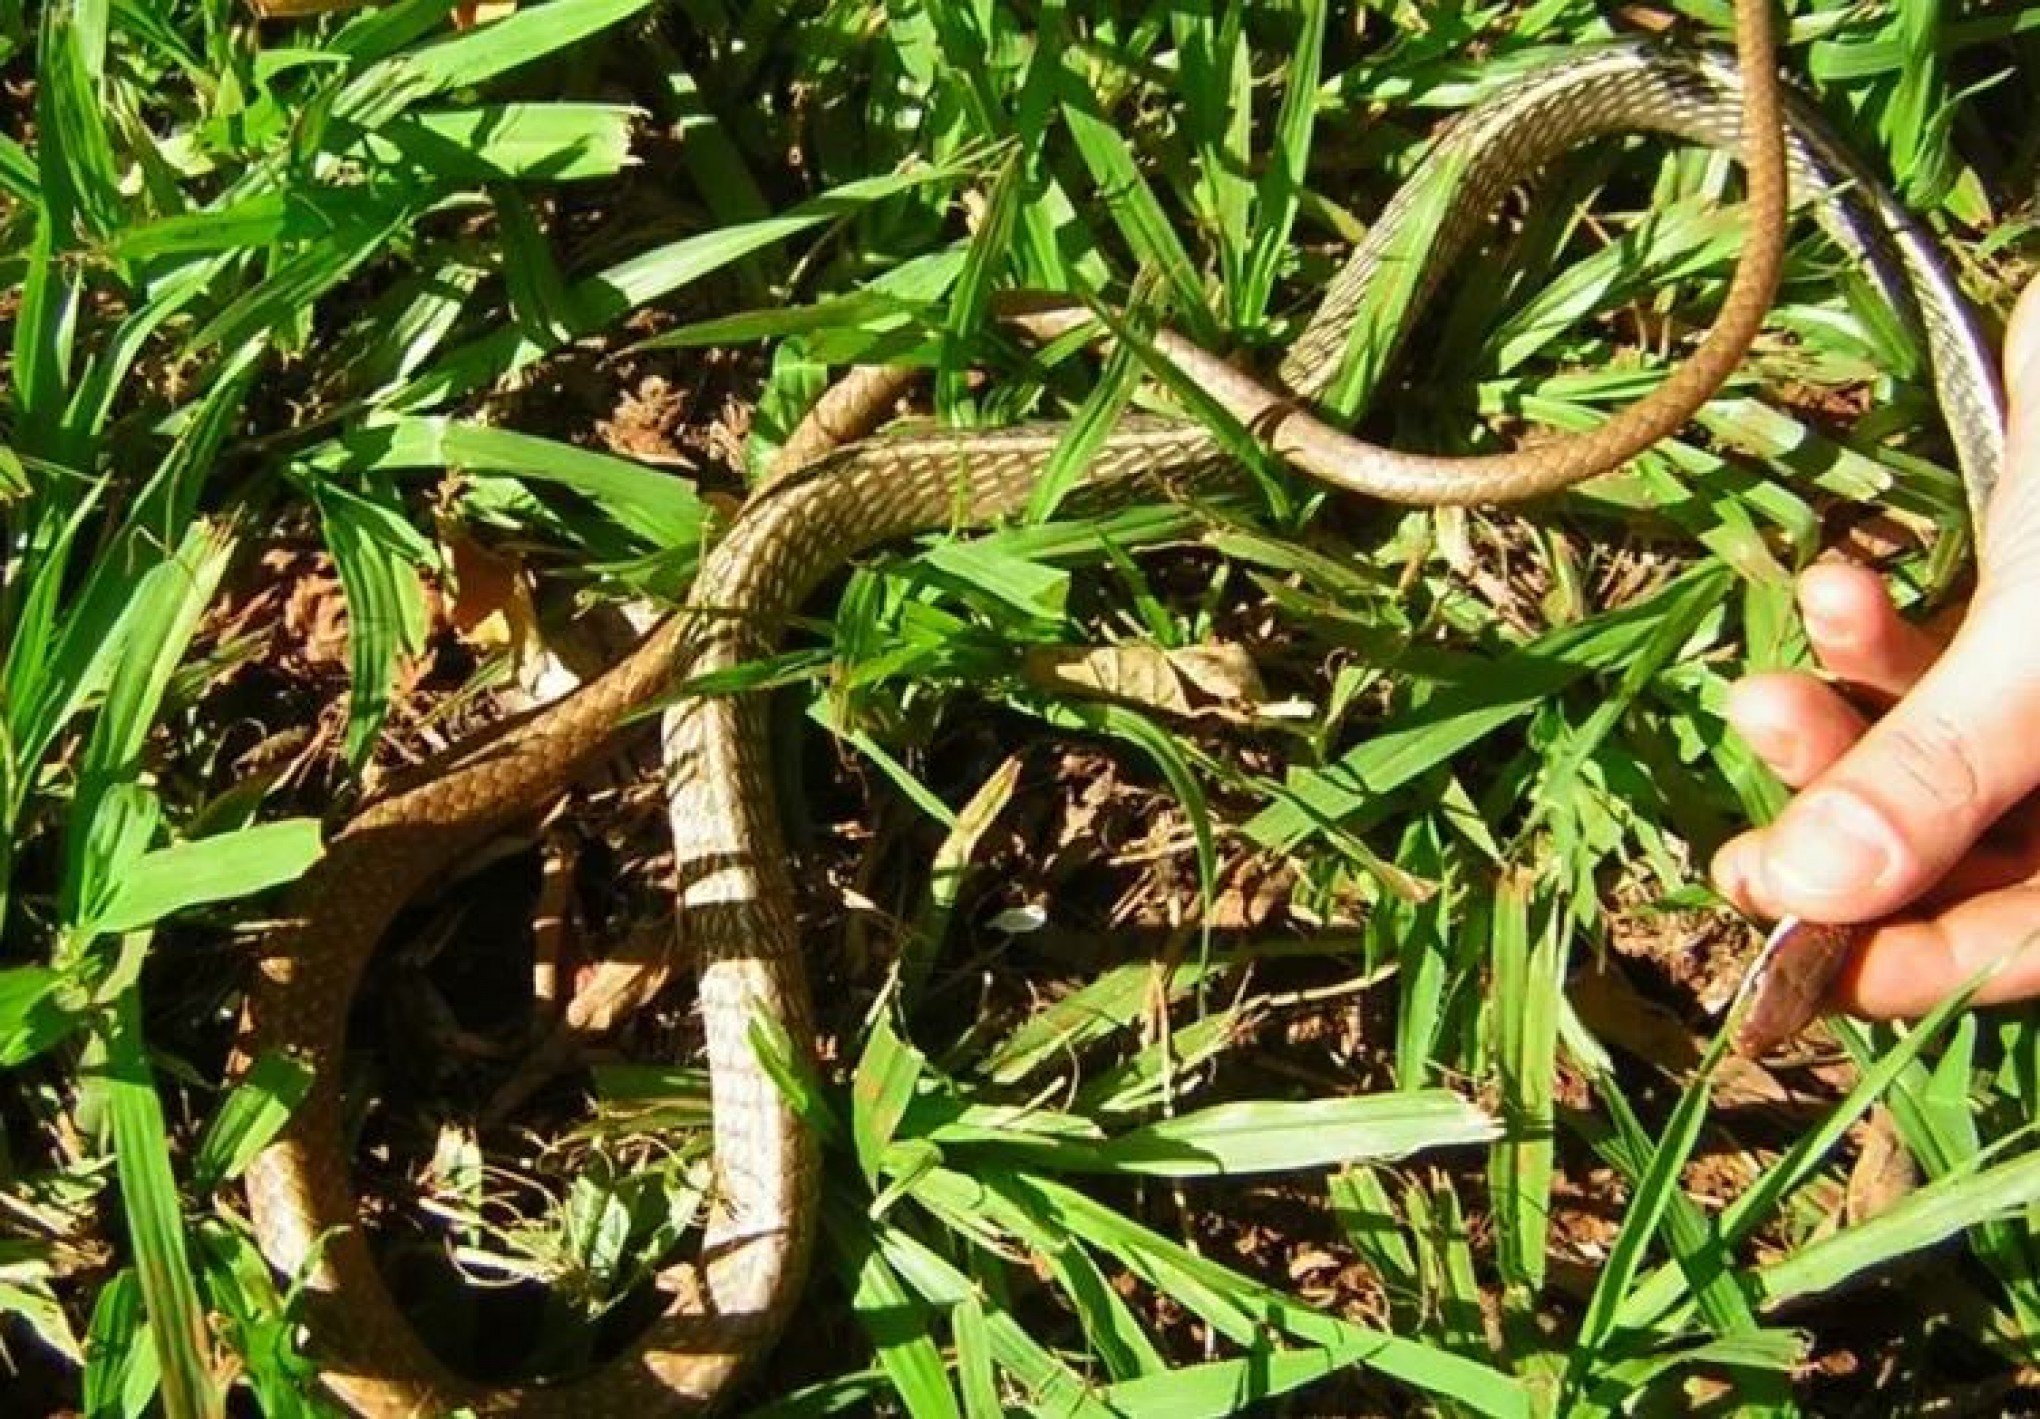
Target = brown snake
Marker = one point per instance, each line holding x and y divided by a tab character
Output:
735	894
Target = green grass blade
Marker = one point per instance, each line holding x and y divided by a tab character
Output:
257	1108
887	1072
1649	1303
527	142
465	60
1269	1135
148	1192
1646	1210
600	300
121	1372
1242	1310
1280	189
1131	202
377	554
157	625
33	1013
213	869
1450	722
897	1322
1925	1218
1526	1002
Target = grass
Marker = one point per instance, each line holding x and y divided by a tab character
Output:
1237	1047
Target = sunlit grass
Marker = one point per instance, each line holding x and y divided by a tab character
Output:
269	282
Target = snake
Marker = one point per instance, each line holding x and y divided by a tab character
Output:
735	913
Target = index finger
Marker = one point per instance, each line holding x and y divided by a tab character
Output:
1911	964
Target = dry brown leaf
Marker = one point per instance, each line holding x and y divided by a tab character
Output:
300	9
315	614
1884	1173
466	15
1609	1004
470	13
1215	679
491	606
647	420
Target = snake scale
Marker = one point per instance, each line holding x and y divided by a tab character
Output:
735	912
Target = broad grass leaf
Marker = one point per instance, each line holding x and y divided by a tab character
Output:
897	1322
523	142
254	1111
1647	1208
473	58
29	1298
1130	200
599	301
32	1015
1284	179
1653	1299
661	509
1936	1212
1273	1135
18	176
1420	739
260	1326
1525	1009
789	1063
975	1375
121	1372
377	554
888	1070
155	627
1050	1385
1218	1389
202	870
1242	1310
1112	1002
155	1219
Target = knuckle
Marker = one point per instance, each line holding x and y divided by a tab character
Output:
2011	569
2009	551
1934	759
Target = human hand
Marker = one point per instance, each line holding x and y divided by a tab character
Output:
1924	819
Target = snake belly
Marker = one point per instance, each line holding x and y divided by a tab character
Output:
736	914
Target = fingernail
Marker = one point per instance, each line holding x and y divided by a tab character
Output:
2025	372
1828	625
1731	870
1828	607
1775	744
2022	360
1834	845
1753	713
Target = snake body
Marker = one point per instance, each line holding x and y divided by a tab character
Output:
735	891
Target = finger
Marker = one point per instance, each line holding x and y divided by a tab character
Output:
1881	825
1857	634
1736	863
1909	967
1796	724
2008	543
2001	859
1883	822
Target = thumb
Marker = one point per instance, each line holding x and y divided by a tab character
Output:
1891	816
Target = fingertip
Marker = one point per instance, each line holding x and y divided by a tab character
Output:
1760	709
1731	870
1835	856
2022	345
1856	632
1793	721
1908	967
1842	604
1754	706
